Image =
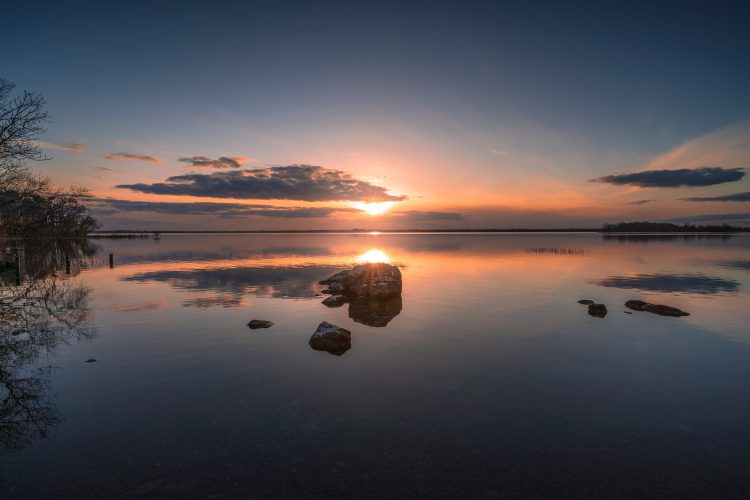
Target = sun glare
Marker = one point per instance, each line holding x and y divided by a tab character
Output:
373	255
374	208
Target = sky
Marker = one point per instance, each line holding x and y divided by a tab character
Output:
391	115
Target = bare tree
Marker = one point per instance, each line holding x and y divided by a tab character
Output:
30	206
22	119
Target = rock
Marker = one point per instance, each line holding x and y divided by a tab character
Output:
375	280
336	277
598	310
586	302
335	301
664	310
627	312
372	312
260	323
636	305
331	338
91	360
661	310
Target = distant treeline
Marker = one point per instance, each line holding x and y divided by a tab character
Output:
668	227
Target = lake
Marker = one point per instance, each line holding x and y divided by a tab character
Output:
484	379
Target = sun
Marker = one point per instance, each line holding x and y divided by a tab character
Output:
374	208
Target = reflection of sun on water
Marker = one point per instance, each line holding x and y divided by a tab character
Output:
374	208
373	255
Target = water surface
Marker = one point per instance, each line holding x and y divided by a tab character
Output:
485	379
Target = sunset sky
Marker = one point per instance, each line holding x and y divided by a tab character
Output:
286	115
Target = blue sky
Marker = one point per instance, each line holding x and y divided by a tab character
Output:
499	112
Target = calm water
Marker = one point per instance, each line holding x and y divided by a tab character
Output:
486	380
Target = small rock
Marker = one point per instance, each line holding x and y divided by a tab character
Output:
260	323
335	301
636	305
586	302
598	310
627	312
331	338
91	360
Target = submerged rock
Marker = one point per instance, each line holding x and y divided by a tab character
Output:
331	338
661	310
375	280
372	312
260	323
586	302
598	310
335	301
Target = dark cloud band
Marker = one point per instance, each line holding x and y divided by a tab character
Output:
107	206
221	162
640	202
426	216
293	182
132	156
727	197
703	176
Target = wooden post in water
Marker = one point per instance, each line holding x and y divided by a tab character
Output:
20	264
111	261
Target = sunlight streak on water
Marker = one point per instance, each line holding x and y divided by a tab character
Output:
373	255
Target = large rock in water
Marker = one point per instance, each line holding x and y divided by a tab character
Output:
375	280
331	338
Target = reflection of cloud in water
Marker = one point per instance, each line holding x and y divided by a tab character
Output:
291	282
669	283
221	300
145	306
126	256
739	265
555	251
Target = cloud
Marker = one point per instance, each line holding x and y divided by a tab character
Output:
702	176
72	147
640	202
728	146
741	217
222	162
727	197
107	206
293	182
104	169
424	216
132	156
